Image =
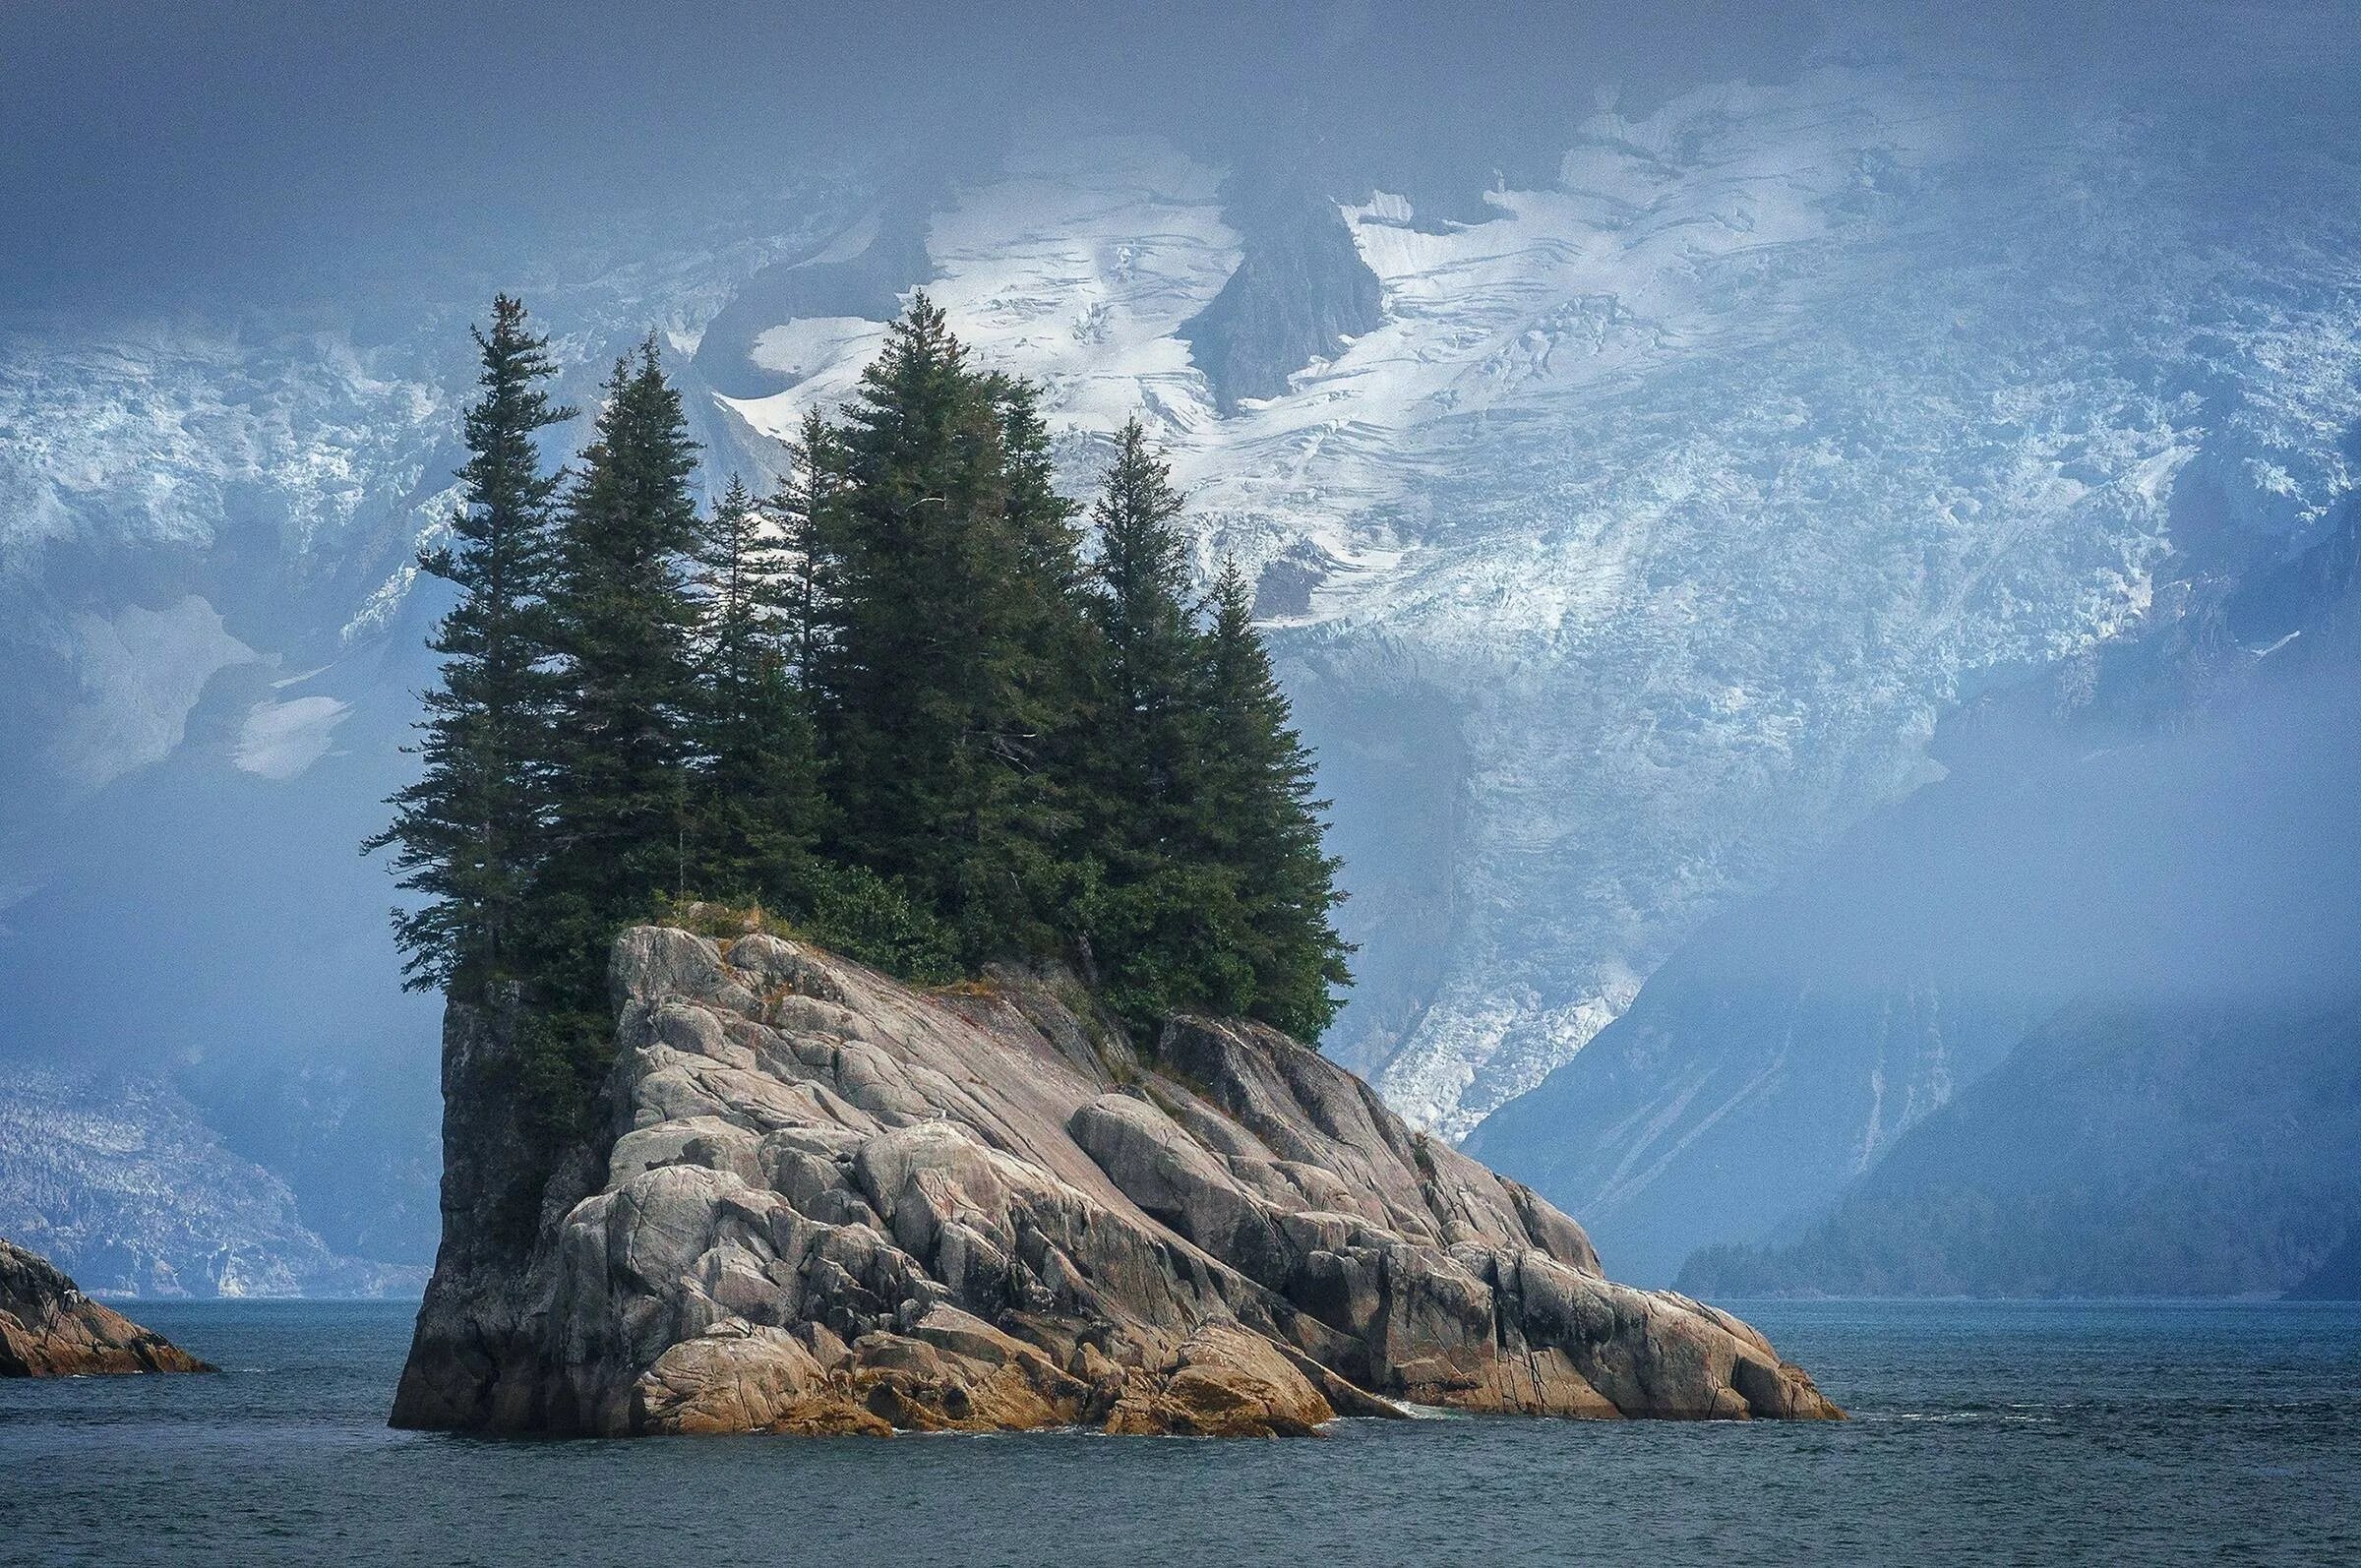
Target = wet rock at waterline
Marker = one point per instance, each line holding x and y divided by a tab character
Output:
49	1329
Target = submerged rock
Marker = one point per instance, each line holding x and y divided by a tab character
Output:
826	1202
49	1329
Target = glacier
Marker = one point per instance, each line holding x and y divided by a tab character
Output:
1684	495
1626	556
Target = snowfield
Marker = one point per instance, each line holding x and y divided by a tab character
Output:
1693	487
1629	558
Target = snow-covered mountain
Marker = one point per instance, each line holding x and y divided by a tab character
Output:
1623	533
1664	510
2078	1018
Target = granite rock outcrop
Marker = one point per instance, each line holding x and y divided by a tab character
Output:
823	1201
49	1329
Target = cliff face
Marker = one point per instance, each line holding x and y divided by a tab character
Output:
49	1329
827	1202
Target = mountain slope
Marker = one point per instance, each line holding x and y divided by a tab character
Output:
2153	841
2124	1151
120	1183
1621	548
1675	499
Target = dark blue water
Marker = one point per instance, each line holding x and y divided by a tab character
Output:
2015	1432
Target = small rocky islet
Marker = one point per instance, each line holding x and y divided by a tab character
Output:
823	1201
48	1328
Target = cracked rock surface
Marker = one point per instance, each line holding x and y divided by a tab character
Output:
827	1202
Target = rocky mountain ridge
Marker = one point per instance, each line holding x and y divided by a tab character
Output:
118	1179
825	1202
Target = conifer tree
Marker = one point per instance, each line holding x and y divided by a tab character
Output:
1139	606
1047	729
1257	818
1164	926
756	806
946	567
467	835
1003	754
623	624
804	510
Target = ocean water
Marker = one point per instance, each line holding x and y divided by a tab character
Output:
1984	1433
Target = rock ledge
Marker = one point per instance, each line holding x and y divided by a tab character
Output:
49	1329
827	1202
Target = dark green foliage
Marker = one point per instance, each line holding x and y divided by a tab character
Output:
1213	892
858	913
1259	819
892	709
945	565
1147	730
468	832
756	806
621	742
1163	924
804	504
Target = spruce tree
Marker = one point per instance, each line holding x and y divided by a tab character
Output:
1139	606
756	810
946	567
623	624
1002	754
467	835
805	510
1164	924
1258	821
1048	722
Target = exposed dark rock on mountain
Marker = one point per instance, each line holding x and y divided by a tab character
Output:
1300	290
49	1329
825	1202
869	281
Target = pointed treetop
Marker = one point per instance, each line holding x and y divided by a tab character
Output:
1232	597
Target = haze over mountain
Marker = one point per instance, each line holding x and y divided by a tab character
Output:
2079	1018
1642	436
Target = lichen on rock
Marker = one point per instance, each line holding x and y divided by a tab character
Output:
826	1202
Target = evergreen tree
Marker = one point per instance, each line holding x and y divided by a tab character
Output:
1147	645
756	802
1051	636
623	624
946	567
1258	821
805	506
467	835
1163	926
1009	756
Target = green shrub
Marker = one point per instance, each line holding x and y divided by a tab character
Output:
863	916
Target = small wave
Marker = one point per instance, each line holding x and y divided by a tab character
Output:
1954	1417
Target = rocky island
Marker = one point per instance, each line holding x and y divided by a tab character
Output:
49	1329
823	1201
